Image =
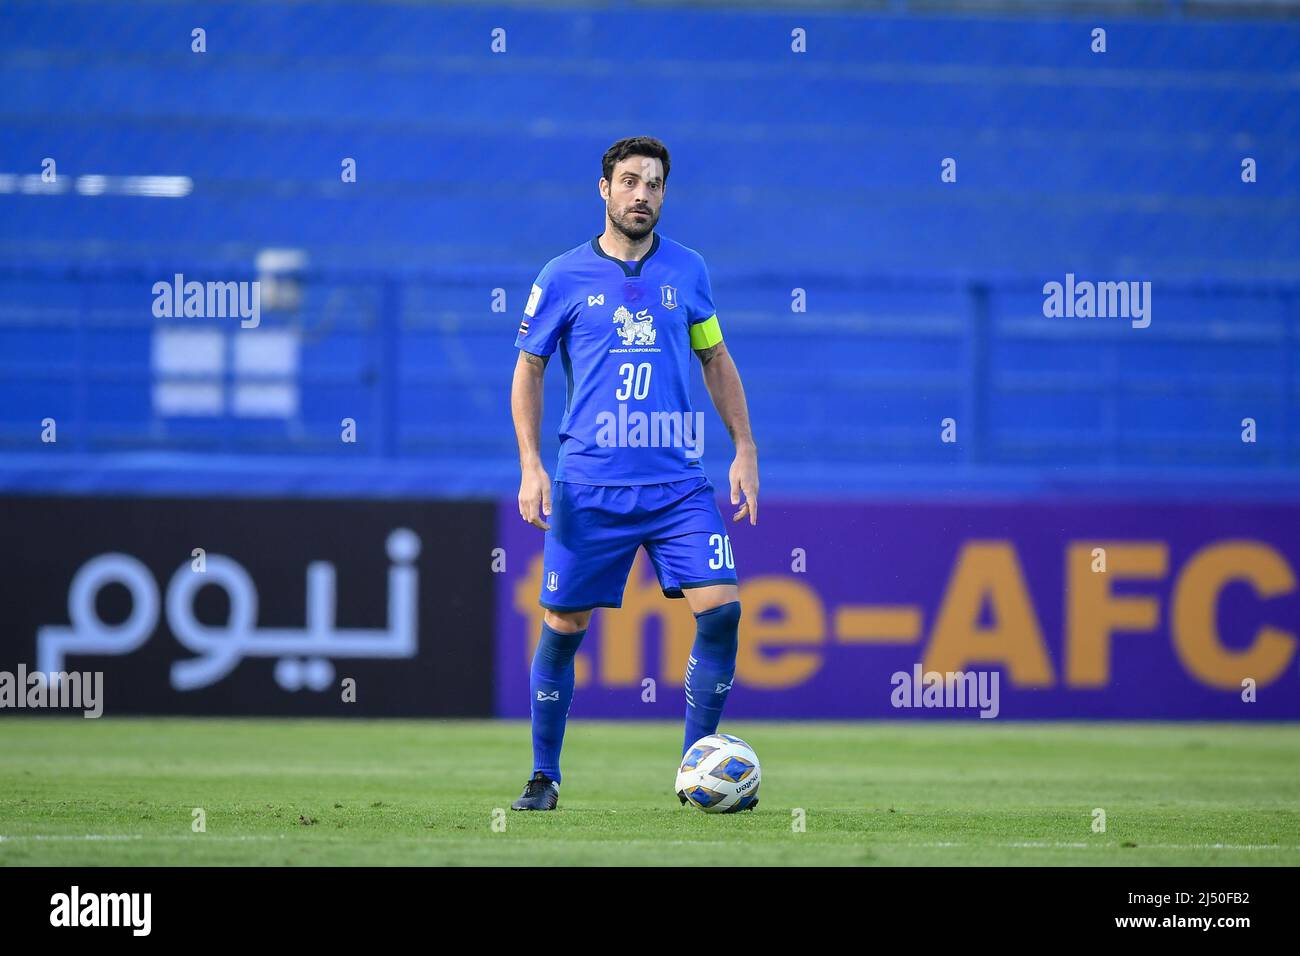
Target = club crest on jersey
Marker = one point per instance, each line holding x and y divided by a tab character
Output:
668	296
635	329
552	581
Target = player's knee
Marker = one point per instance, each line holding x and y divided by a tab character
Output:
567	622
719	623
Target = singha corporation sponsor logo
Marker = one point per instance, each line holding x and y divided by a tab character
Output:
634	329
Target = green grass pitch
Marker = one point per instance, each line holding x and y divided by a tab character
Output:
285	792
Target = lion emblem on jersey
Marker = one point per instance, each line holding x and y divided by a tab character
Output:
636	329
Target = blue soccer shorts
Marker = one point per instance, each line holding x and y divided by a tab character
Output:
596	530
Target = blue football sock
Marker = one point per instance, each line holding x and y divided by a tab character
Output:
550	686
710	671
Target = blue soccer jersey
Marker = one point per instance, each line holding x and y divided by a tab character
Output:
625	332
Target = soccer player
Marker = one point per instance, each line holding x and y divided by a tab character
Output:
625	310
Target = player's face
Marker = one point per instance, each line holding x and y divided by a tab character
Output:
636	194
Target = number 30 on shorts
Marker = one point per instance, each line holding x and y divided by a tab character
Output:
721	545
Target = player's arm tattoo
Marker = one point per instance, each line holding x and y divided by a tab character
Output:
536	360
707	355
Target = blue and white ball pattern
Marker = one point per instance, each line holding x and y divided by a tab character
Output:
720	774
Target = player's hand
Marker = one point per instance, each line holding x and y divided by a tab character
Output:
744	480
535	496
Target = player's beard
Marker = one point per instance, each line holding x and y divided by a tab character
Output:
632	227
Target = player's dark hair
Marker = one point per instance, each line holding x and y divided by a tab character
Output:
634	146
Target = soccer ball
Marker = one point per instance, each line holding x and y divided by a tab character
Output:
719	774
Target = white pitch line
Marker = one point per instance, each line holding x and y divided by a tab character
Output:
123	837
116	837
1095	846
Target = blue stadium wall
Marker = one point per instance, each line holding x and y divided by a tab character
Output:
806	180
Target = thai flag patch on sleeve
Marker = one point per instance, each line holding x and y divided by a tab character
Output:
523	327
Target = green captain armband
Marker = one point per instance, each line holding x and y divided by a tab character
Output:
706	334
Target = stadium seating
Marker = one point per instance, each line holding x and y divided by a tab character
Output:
816	171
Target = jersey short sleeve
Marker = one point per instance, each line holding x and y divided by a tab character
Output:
545	315
705	331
